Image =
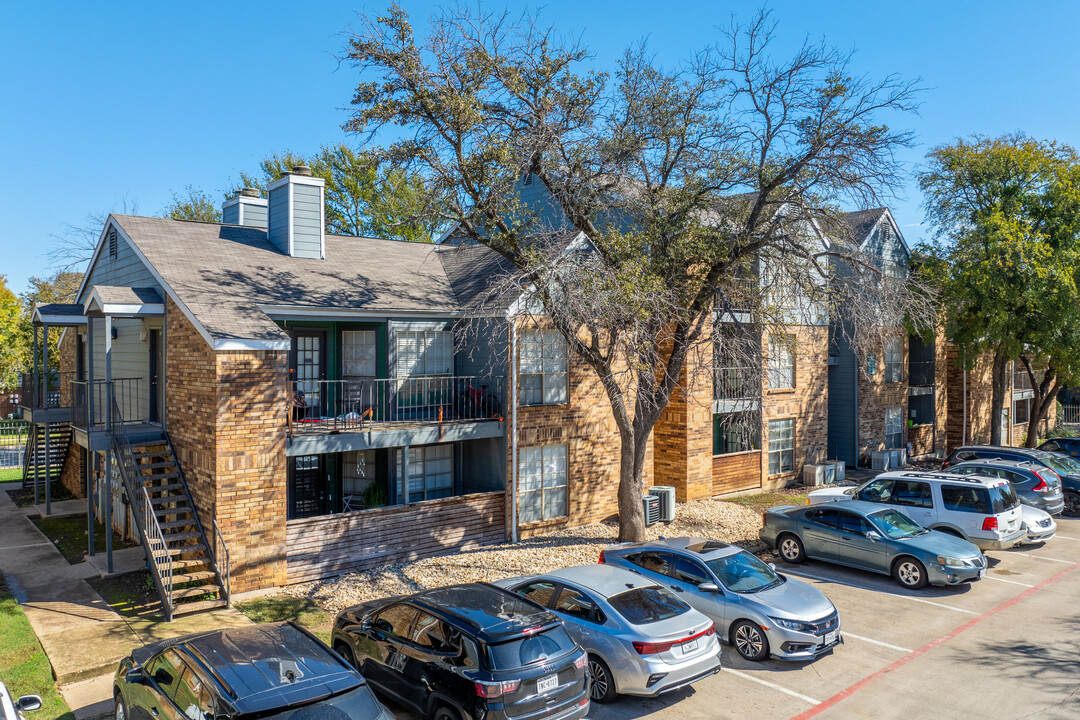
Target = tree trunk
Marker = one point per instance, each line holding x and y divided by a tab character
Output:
1042	402
997	396
631	513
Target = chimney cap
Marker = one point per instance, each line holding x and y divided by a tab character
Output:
301	170
249	192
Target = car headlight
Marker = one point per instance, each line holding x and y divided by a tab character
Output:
951	561
791	624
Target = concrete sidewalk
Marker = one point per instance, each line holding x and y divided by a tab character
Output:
83	638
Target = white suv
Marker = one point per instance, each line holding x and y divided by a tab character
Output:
982	510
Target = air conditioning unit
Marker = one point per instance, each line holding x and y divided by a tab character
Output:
881	460
897	458
651	504
841	470
666	493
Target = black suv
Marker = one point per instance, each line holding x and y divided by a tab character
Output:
1066	467
467	651
265	671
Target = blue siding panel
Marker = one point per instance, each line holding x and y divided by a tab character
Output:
278	227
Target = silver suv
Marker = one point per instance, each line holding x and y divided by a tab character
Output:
982	510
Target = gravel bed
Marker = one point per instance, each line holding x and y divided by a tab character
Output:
578	546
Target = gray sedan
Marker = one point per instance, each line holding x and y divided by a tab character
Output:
867	536
759	611
641	639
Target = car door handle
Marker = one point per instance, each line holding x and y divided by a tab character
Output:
676	588
154	711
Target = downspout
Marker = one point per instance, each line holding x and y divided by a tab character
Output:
963	435
513	432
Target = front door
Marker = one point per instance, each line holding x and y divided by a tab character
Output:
308	369
308	486
154	337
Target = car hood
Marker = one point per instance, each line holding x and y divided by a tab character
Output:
941	543
1032	516
831	494
793	599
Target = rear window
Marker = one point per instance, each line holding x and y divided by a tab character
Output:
530	649
642	606
1003	498
982	500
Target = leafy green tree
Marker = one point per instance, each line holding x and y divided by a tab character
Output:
364	197
193	205
12	338
684	180
1006	215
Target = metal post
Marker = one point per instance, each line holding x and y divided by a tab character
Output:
162	375
90	499
45	403
513	431
108	505
108	374
35	378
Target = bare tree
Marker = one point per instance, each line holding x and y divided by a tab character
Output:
701	187
75	244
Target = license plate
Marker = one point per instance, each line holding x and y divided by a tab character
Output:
546	684
982	573
689	646
830	638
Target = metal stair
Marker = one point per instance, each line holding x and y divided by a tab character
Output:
49	460
188	575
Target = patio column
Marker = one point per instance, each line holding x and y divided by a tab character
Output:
48	449
90	500
108	508
35	378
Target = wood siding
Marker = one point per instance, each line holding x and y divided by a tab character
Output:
330	545
739	471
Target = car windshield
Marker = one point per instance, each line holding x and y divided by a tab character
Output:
896	524
642	606
1002	498
744	573
1063	464
530	649
356	703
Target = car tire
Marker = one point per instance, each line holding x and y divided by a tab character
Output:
443	712
602	686
750	640
910	573
950	531
1072	504
791	548
119	708
346	652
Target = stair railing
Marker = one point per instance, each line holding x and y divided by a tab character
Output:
219	540
161	565
156	545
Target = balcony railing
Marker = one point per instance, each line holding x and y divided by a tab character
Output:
921	373
736	384
86	395
335	405
43	390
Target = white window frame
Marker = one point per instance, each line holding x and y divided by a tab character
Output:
894	360
781	446
358	353
430	473
542	368
894	427
781	361
543	487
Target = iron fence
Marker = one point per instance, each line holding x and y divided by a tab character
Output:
94	396
13	434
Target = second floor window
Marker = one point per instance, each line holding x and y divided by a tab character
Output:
543	368
894	360
781	361
422	353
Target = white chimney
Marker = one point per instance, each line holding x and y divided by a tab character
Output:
296	221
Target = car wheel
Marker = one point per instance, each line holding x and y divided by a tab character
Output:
791	548
602	689
750	641
910	573
119	708
444	713
344	651
1072	504
950	531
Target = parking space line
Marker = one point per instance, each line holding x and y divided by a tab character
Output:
890	594
847	634
1043	557
1067	538
774	686
1011	582
852	689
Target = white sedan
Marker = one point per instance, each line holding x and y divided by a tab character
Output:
1039	525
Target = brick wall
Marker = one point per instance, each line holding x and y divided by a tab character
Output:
683	437
875	395
585	424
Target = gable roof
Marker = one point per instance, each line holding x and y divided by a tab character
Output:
228	278
861	223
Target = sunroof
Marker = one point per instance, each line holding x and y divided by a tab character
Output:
708	546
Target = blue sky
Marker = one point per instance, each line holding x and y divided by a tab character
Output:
127	102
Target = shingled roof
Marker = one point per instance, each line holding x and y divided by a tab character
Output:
225	274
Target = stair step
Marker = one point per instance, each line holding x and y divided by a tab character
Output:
164	488
212	589
184	564
177	537
194	576
170	524
155	465
187	549
173	511
165	500
200	606
159	476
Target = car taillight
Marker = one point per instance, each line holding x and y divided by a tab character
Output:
602	559
651	648
711	630
492	690
1041	486
764	518
990	523
944	464
580	662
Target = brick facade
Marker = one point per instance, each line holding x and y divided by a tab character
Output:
875	396
683	436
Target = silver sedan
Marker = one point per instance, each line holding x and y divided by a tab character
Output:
641	639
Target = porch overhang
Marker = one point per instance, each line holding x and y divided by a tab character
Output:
114	301
59	315
430	434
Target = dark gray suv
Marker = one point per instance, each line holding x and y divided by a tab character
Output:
1035	485
1066	467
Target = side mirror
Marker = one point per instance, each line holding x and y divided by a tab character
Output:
873	535
708	587
27	703
772	567
135	675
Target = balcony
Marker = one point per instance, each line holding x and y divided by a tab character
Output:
415	411
46	396
90	402
921	374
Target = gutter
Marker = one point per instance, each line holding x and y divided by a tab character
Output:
513	432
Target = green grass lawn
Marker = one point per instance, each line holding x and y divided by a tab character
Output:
10	474
302	611
69	536
23	665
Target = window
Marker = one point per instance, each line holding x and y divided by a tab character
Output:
542	368
430	472
822	517
876	491
657	562
921	409
851	524
395	620
781	446
894	427
539	592
576	604
166	672
358	353
542	482
307	486
781	361
689	571
429	632
1021	411
193	697
911	493
965	499
871	364
894	360
734	353
424	358
642	606
736	432
361	487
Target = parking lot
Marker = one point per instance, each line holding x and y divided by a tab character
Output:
1004	647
